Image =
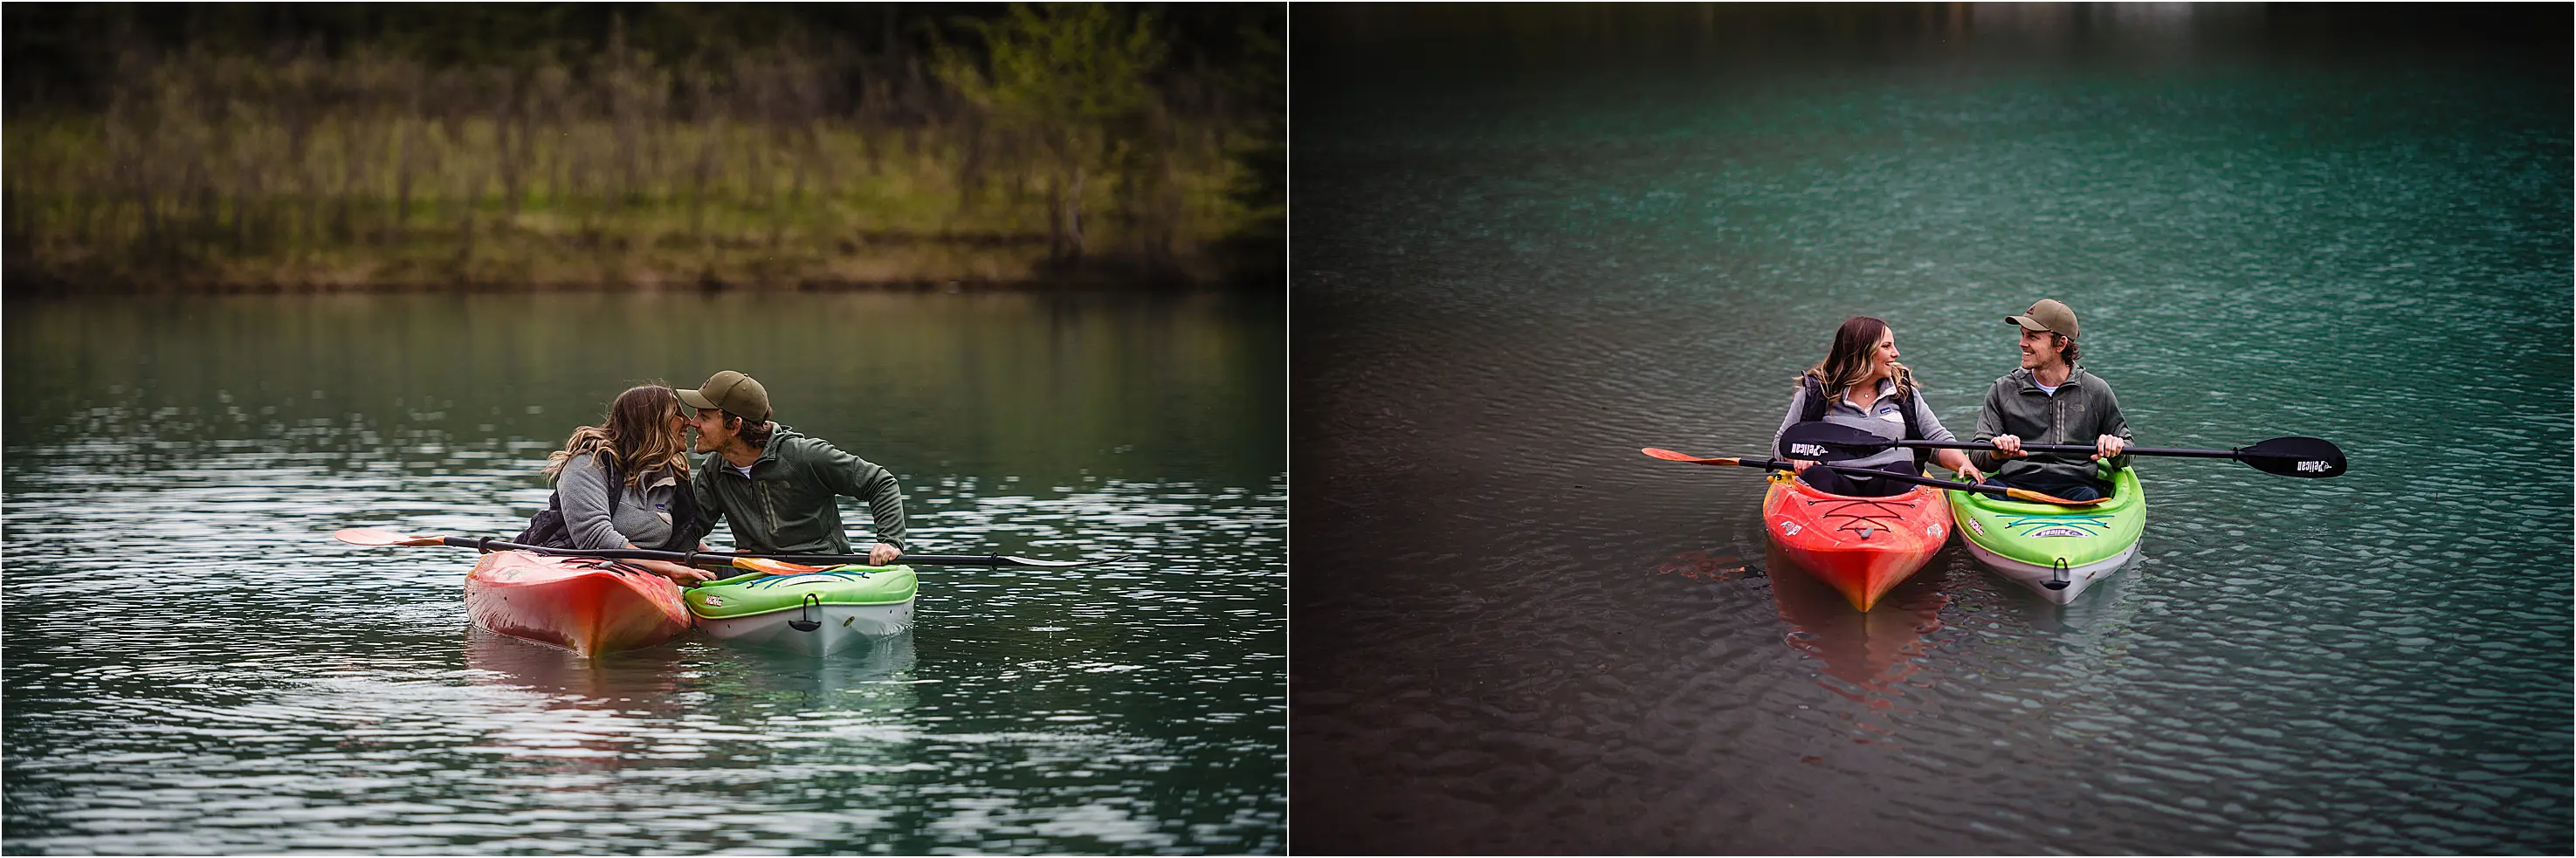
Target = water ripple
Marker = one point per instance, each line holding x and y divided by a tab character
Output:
193	666
1515	633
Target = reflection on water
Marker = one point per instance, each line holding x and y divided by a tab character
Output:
1869	652
871	677
192	665
632	676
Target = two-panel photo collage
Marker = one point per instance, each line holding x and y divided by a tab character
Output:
1288	429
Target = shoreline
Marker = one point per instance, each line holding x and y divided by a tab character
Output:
1244	266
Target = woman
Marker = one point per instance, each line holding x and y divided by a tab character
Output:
1860	384
626	484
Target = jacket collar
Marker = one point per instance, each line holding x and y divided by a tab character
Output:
2030	380
1886	387
768	451
778	434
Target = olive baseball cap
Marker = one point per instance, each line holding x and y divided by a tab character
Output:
731	391
2047	315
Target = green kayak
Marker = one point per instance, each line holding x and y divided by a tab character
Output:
817	613
2056	551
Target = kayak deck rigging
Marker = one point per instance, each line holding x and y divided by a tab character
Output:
1879	515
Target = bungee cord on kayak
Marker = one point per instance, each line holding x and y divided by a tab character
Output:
1873	515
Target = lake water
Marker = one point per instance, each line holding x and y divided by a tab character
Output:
194	666
1529	242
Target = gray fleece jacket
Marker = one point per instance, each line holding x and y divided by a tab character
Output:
643	517
2082	410
1883	419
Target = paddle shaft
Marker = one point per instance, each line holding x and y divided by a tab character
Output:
2069	448
1778	465
727	557
1981	488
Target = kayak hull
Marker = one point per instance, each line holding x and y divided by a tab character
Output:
1863	547
2055	551
2037	577
589	606
841	628
816	613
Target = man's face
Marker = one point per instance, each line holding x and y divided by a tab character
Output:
712	433
2037	349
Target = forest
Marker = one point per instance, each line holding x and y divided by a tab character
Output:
322	147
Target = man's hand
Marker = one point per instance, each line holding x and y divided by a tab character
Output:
2008	446
883	554
2107	446
1799	465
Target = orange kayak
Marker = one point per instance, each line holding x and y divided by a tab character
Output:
586	605
1861	546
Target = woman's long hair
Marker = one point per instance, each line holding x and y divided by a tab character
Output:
638	435
1848	361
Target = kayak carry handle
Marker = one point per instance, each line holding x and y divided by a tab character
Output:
2060	576
805	621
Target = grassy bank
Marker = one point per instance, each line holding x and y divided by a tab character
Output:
801	164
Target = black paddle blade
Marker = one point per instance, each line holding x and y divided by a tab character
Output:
1830	442
2294	457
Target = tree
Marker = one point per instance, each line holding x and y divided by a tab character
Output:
1063	75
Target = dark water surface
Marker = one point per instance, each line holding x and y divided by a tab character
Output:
1530	242
193	666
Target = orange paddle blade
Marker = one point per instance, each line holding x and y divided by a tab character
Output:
1670	456
774	567
2036	497
374	538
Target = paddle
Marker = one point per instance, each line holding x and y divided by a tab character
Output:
2288	457
1777	465
372	537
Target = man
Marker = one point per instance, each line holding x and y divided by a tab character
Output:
777	487
2051	400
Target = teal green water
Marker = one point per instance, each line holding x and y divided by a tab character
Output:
193	666
1528	244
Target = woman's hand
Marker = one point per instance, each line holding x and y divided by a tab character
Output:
1799	465
883	554
2108	446
2008	447
1958	462
675	572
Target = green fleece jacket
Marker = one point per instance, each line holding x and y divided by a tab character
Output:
787	505
2082	411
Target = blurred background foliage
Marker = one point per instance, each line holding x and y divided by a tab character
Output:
334	146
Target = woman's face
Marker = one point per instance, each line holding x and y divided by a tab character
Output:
1882	357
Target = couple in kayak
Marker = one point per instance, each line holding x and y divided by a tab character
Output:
627	483
2049	399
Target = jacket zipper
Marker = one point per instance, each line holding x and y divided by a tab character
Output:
768	507
771	508
2057	408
